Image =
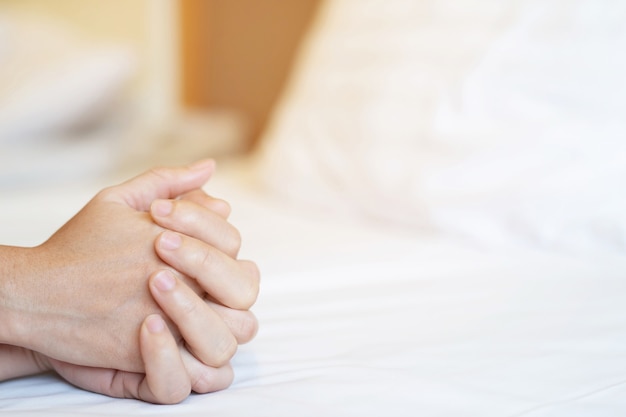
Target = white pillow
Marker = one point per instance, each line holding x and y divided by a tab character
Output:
495	119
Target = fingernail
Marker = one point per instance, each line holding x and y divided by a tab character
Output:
155	324
162	207
164	281
170	241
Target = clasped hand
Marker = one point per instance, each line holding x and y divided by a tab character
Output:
139	295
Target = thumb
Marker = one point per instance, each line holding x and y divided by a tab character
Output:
142	190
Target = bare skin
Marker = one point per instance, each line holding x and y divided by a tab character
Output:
155	246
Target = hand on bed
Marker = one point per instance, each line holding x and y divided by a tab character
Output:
166	379
171	371
86	290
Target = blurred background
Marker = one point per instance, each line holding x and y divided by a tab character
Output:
90	86
484	118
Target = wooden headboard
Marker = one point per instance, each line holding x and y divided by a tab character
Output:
236	54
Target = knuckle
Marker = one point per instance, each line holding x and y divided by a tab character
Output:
225	351
174	395
223	207
106	194
232	241
187	307
252	284
216	205
207	258
185	211
247	327
159	172
205	380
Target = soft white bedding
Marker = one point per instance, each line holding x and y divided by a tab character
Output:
445	234
360	319
499	120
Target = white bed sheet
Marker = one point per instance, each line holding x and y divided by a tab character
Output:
362	320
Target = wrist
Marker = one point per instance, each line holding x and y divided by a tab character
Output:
16	265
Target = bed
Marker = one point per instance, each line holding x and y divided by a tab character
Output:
440	236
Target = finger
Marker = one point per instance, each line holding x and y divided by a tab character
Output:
205	379
166	380
193	220
111	382
217	205
243	324
234	283
17	361
205	333
140	191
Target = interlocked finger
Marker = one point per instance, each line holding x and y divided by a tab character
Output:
203	330
233	283
217	205
166	380
194	220
205	379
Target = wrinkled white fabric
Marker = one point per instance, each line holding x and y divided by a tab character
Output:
498	120
359	319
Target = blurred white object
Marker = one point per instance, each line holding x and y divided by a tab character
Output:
61	100
66	111
52	82
58	161
500	120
